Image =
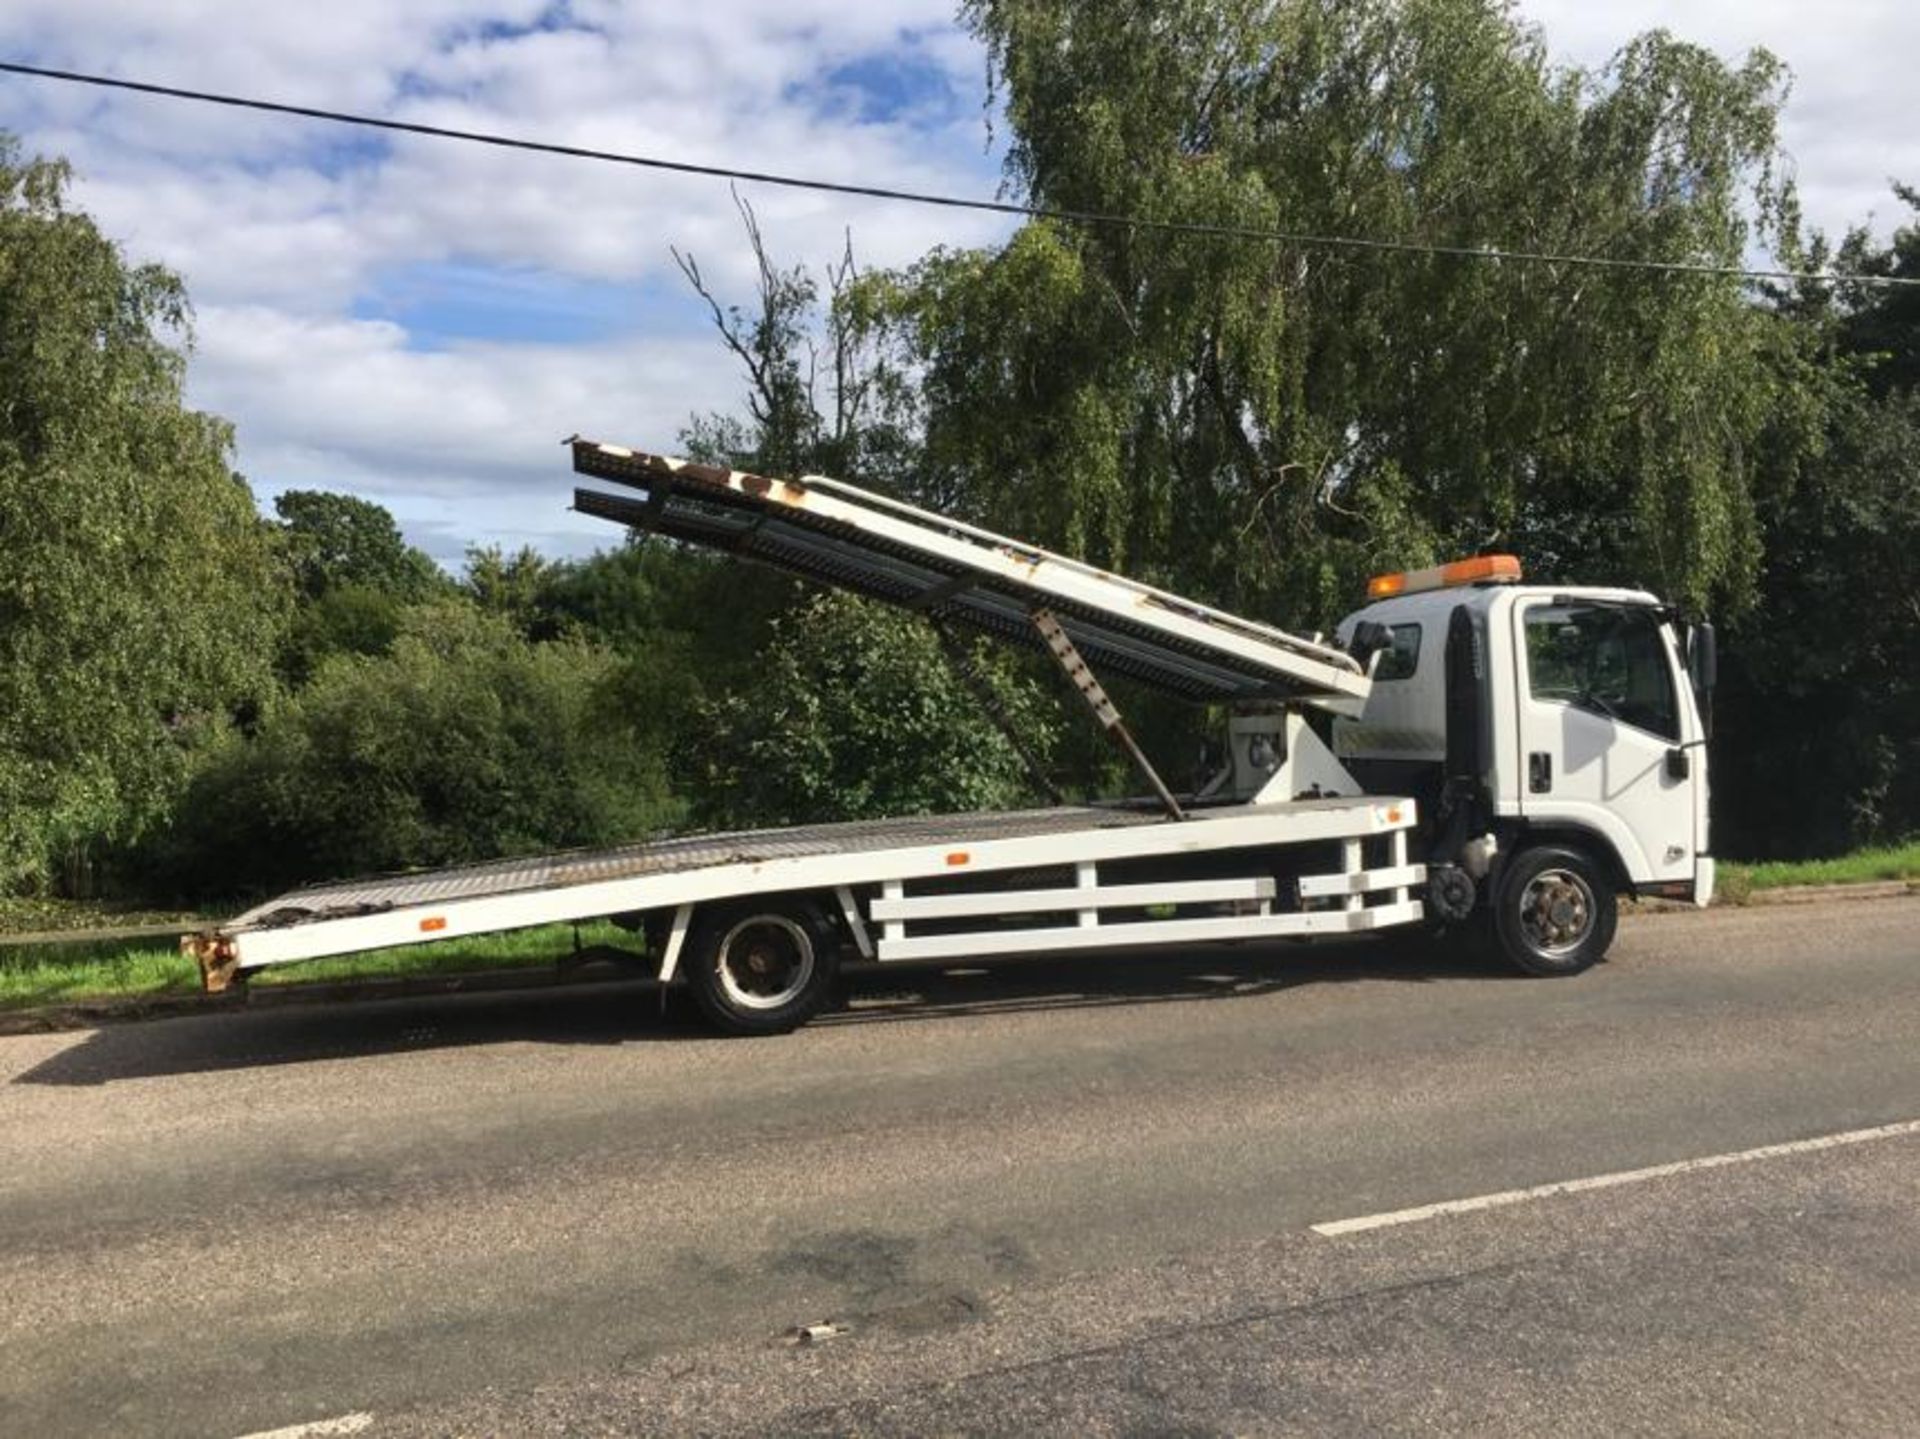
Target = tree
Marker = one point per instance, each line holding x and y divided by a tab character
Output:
1819	740
1818	747
333	540
840	413
345	619
138	599
353	576
1883	324
1260	422
806	706
512	586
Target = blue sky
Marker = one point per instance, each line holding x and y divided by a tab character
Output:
422	322
442	303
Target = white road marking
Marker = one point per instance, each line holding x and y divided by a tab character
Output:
1336	1227
317	1429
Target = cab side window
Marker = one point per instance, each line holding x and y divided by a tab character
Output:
1402	656
1606	659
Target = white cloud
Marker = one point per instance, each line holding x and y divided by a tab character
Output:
1848	126
284	228
475	429
291	232
259	208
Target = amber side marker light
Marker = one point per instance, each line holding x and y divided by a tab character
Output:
1478	570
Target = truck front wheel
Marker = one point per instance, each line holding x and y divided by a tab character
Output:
762	969
1555	911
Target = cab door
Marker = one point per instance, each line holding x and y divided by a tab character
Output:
1604	736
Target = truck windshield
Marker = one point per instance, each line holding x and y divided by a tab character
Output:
1606	659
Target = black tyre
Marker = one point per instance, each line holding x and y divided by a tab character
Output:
1555	911
762	968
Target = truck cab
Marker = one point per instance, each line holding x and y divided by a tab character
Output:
1555	739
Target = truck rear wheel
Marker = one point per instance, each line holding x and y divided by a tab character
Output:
1555	911
764	968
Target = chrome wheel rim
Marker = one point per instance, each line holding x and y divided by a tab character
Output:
1557	912
765	962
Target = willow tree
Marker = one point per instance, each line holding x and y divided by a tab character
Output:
1260	419
138	599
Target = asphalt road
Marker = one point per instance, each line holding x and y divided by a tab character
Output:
1067	1198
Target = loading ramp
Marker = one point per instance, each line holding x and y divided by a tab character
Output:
959	574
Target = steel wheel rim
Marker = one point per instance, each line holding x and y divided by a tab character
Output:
765	962
1557	912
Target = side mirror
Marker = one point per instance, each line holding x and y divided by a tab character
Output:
1703	658
1211	768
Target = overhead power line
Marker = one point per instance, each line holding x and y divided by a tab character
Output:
951	202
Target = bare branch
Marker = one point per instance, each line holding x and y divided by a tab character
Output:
728	329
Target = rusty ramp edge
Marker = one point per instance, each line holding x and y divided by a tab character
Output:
219	962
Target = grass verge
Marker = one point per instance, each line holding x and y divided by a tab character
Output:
1901	861
66	973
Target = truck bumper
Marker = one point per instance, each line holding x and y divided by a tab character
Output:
1703	876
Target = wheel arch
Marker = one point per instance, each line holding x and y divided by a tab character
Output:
665	927
1522	834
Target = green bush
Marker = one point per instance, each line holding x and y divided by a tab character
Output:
463	742
852	713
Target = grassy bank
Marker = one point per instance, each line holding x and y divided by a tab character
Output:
54	974
19	915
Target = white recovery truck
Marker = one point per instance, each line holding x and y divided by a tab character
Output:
1471	751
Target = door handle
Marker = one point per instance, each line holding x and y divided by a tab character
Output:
1539	772
1678	765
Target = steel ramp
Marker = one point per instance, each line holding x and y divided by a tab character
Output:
956	573
491	879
